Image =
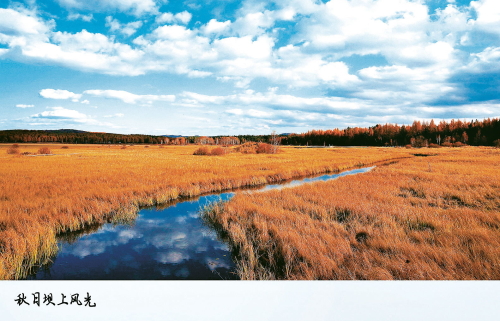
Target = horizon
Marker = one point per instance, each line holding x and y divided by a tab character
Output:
423	122
245	67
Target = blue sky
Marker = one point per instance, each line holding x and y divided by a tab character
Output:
245	67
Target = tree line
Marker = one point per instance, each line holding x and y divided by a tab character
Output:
418	134
69	136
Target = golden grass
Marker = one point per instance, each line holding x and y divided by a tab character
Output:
423	218
82	185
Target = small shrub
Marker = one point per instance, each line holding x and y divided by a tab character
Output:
496	143
361	237
65	147
124	147
458	144
14	149
202	151
408	146
247	148
434	145
446	144
264	148
44	151
218	151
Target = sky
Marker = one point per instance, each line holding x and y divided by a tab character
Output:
233	67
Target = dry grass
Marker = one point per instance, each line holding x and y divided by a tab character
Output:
435	217
88	184
45	151
13	150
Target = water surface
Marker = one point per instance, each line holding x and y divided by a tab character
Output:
171	242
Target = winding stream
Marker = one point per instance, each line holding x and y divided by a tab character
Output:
171	242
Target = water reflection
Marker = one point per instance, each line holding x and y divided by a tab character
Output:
322	178
170	242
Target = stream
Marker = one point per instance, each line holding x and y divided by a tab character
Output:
170	242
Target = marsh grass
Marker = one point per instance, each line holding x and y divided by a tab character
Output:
41	197
396	222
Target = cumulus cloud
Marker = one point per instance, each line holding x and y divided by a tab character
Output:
488	15
253	24
24	106
86	51
59	94
135	7
60	113
83	17
22	23
168	17
127	29
128	97
486	61
215	27
60	116
422	52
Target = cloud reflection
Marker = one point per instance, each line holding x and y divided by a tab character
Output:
171	257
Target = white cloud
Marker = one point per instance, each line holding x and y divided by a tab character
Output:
60	113
422	85
114	115
251	102
486	61
127	29
24	106
216	27
129	98
135	7
87	51
244	47
174	32
59	94
168	17
253	24
85	102
488	15
15	23
61	116
422	52
78	16
250	112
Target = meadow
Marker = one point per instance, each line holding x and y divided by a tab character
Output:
47	189
435	216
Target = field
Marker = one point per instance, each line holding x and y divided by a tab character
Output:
80	185
433	216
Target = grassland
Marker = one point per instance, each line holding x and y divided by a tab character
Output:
81	185
424	218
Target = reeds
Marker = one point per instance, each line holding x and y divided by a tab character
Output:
401	221
87	184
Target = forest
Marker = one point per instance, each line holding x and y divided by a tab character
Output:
419	134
